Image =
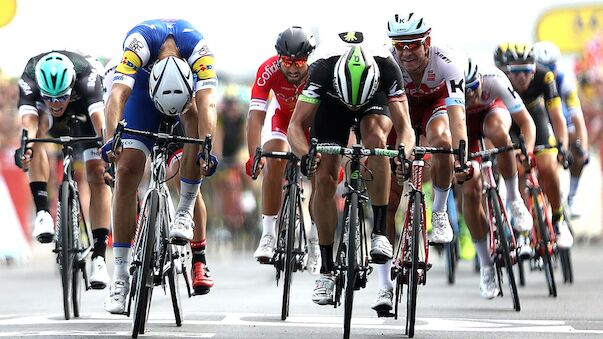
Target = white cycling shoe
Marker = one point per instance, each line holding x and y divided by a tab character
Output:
487	283
521	216
181	230
43	227
118	295
265	250
441	231
99	277
323	290
564	237
384	302
381	249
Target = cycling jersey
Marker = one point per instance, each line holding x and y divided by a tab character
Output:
495	85
141	50
442	85
570	103
269	77
86	99
333	118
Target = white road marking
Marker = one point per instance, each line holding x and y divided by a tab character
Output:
298	321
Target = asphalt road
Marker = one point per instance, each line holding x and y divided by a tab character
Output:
245	303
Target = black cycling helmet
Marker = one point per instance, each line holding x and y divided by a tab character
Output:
294	42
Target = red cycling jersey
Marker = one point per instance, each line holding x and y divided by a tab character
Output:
269	77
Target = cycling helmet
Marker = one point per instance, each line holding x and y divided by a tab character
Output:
499	55
472	73
519	53
55	74
356	77
546	53
399	26
294	42
171	85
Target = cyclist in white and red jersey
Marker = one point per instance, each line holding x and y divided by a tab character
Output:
433	79
285	76
491	104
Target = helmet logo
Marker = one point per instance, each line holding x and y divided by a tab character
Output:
352	37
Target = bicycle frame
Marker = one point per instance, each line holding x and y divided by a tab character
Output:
534	189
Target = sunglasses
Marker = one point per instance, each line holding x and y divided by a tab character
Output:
61	98
288	62
409	44
472	87
518	69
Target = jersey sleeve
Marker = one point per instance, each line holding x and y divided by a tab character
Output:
136	54
28	94
260	92
551	94
569	94
503	89
454	76
90	87
392	83
202	64
319	77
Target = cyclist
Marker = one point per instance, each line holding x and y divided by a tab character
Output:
157	43
491	106
343	87
54	87
433	79
285	75
201	280
535	84
547	54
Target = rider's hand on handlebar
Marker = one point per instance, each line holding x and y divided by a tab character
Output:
462	173
249	165
402	171
309	166
22	160
106	151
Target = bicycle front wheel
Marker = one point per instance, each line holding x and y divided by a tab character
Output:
413	279
66	257
143	255
352	269
172	275
78	260
502	240
291	208
544	242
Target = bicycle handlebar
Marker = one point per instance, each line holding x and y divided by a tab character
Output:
277	155
121	128
493	151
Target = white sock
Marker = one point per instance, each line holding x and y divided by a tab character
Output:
384	275
121	256
313	232
440	198
188	195
574	181
268	223
512	185
483	252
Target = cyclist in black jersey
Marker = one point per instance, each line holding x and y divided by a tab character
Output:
536	86
54	87
340	88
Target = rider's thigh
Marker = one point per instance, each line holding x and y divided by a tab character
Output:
95	171
327	174
130	168
496	127
438	131
374	129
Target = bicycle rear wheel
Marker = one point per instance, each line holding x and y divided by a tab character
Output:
66	257
143	254
352	269
544	241
504	245
566	265
78	261
413	279
451	257
291	218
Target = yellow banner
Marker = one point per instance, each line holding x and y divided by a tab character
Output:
8	8
570	27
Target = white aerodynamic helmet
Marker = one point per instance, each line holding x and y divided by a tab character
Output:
546	53
399	26
171	85
356	77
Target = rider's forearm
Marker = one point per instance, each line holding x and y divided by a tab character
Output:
559	125
255	122
113	114
297	139
401	119
98	121
30	123
458	125
581	132
206	104
527	128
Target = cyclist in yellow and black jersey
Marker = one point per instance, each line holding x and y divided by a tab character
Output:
537	88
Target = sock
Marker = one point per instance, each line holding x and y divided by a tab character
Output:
512	186
574	181
121	256
313	232
100	236
188	194
39	191
268	223
483	252
198	248
326	253
384	275
379	218
440	197
557	215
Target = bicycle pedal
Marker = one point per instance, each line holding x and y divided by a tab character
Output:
45	238
178	241
201	290
265	261
384	313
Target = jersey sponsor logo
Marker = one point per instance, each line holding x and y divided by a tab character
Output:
204	67
92	78
454	85
267	73
130	63
310	92
207	83
25	87
394	90
136	45
513	93
443	57
431	75
150	26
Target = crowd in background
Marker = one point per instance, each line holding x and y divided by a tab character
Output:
232	198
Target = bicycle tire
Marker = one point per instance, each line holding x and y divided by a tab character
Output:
502	240
522	272
144	278
291	207
450	257
411	295
566	265
351	270
174	287
544	241
78	266
65	254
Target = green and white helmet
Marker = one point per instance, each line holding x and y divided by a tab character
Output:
356	77
55	74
